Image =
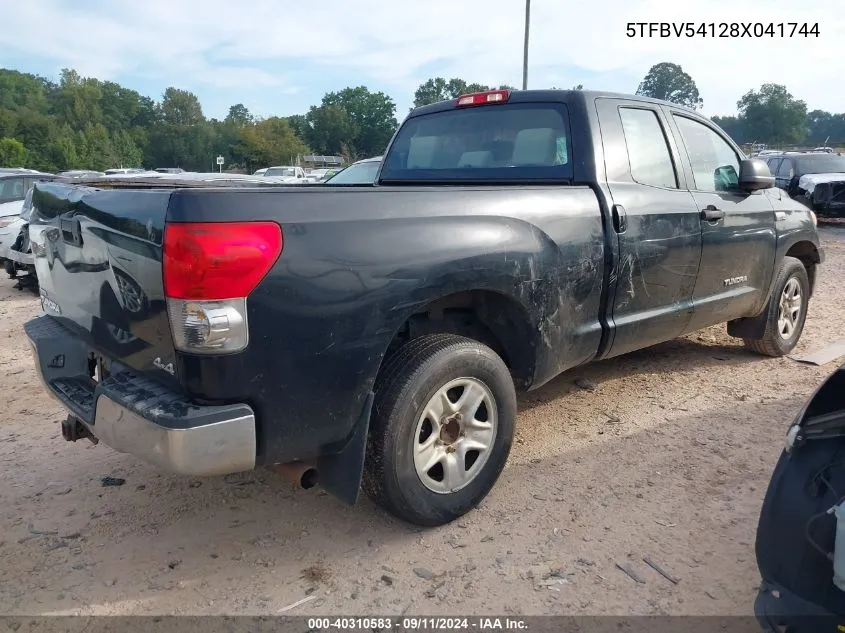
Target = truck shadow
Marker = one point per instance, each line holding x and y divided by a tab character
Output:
686	355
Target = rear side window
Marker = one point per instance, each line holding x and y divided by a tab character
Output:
484	143
12	189
648	152
785	170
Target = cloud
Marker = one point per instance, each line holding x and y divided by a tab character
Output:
282	47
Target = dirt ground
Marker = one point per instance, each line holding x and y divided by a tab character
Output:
667	457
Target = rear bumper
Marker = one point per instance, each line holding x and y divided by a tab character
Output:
136	415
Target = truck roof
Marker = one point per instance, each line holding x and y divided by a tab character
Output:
560	96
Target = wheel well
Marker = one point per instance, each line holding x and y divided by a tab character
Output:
808	254
492	318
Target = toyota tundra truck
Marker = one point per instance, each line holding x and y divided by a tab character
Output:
374	337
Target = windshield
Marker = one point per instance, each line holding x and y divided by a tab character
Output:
821	164
487	143
280	171
356	174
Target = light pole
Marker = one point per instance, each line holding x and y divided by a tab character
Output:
525	48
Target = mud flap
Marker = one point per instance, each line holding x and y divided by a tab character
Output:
751	327
341	473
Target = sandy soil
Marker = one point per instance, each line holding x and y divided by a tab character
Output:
667	458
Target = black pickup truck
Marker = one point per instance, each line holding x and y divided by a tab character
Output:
374	336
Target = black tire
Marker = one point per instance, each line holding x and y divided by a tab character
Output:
411	377
773	343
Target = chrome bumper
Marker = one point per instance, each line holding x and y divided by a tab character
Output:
160	426
218	448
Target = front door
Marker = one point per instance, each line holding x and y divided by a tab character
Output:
656	223
737	227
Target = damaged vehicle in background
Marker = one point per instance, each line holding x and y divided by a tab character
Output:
815	178
15	193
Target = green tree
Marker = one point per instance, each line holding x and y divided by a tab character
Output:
669	82
299	124
239	115
329	127
63	154
79	100
370	117
12	153
825	126
37	132
269	142
180	107
439	89
121	107
773	115
734	126
21	90
100	152
126	151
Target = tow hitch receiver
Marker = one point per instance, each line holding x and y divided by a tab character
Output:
73	429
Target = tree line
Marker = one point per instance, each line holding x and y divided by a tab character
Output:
84	123
769	115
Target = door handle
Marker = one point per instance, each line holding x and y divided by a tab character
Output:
620	218
711	213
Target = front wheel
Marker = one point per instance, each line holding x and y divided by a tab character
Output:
786	311
442	427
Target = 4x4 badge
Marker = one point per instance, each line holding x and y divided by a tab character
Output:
168	367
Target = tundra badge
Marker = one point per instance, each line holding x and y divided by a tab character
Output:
47	304
168	367
733	281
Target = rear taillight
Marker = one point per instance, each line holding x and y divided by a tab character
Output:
209	269
483	98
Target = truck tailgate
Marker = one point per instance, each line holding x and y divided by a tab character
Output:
98	257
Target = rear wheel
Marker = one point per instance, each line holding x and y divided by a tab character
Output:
786	311
442	428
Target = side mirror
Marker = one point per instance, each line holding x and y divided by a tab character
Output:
754	174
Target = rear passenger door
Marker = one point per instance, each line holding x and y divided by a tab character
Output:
737	227
655	220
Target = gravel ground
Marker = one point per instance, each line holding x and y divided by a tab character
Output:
664	453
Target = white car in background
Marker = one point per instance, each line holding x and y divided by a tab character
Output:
288	173
14	185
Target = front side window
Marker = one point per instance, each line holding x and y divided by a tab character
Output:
500	142
648	152
786	169
715	164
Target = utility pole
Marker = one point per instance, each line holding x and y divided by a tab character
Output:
525	48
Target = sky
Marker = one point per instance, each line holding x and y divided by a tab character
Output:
280	57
